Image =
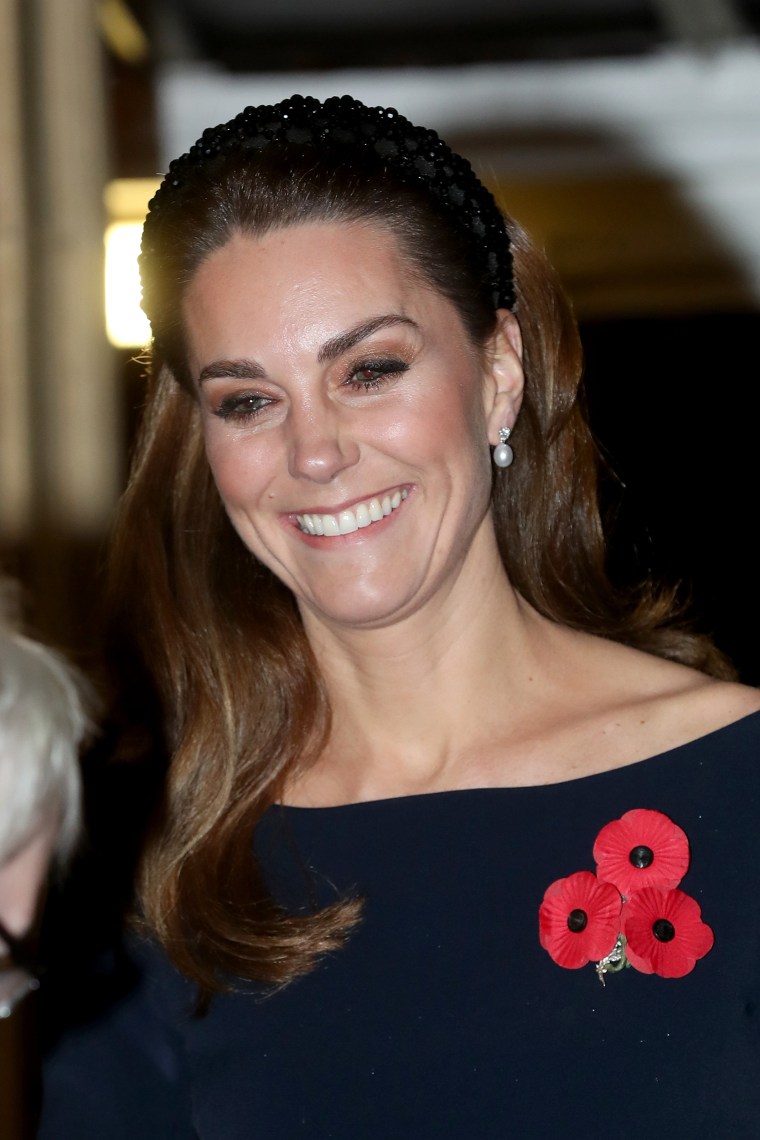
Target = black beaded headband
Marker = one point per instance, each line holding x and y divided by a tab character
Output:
416	156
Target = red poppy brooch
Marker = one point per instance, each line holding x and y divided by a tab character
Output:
631	912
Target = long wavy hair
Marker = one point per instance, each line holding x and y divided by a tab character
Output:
245	706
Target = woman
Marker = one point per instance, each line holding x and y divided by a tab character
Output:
402	697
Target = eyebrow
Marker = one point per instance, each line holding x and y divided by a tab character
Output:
337	345
330	350
232	370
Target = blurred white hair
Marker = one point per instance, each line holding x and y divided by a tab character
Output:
42	724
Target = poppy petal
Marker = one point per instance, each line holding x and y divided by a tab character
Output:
642	849
579	919
664	932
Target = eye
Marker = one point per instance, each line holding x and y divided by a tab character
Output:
369	375
242	406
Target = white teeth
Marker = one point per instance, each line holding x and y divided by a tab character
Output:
358	517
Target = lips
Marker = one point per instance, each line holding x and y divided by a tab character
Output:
357	517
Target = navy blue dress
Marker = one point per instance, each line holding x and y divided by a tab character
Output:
443	1016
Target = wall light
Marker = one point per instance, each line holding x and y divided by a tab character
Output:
126	201
126	324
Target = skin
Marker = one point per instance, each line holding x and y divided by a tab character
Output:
323	440
22	880
363	380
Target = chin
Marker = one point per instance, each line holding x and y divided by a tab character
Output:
358	610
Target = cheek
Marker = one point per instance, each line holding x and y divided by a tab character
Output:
241	472
451	424
467	433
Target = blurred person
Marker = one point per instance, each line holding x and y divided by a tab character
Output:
42	724
423	863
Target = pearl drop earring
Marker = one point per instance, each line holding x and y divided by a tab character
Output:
503	453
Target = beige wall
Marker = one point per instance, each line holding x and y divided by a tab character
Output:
58	457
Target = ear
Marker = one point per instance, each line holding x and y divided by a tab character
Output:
504	378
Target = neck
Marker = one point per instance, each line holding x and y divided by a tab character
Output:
414	702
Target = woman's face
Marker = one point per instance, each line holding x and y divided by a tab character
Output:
347	417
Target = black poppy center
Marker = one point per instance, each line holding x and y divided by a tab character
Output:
641	857
663	930
577	920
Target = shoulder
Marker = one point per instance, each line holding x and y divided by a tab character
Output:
641	705
696	711
680	701
631	675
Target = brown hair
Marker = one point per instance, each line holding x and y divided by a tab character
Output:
245	705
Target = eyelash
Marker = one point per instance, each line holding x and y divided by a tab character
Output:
385	371
238	407
234	407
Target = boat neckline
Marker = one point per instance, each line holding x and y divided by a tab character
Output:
522	789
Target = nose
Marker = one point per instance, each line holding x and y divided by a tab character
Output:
320	445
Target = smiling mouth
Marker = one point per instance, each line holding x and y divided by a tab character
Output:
356	518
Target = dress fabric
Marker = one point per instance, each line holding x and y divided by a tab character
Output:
443	1017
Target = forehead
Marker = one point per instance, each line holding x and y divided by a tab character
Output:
299	280
305	258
